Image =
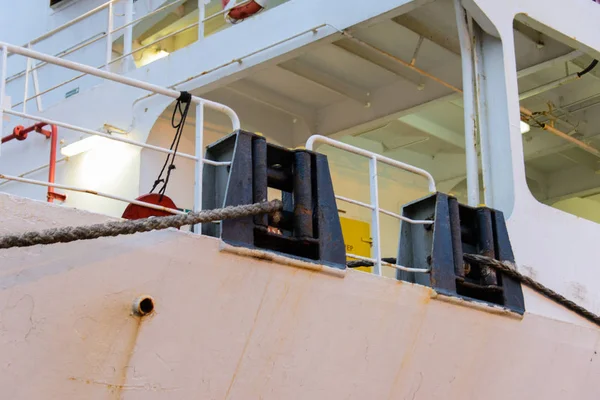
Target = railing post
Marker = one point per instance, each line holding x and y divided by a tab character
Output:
3	68
26	89
109	29
199	162
36	89
128	36
201	17
374	187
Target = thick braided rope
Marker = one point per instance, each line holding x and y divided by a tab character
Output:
128	227
510	270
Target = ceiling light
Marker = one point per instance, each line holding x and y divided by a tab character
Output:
524	127
153	56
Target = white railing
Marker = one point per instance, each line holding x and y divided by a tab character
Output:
375	158
109	32
200	103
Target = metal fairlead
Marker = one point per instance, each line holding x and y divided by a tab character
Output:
458	229
308	228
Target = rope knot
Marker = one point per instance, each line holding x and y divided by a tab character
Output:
185	97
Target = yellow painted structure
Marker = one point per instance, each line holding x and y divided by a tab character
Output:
357	236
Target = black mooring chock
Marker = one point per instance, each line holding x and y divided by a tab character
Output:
458	229
309	227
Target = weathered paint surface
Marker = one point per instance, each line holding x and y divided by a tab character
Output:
230	327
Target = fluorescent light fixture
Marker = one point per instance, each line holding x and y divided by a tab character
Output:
150	57
525	127
81	146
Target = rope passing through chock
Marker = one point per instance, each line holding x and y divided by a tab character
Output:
510	270
115	228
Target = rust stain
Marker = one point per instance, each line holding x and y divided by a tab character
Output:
126	340
128	353
111	387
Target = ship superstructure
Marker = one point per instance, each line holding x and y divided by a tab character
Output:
485	107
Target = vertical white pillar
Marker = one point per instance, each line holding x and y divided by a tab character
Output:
109	29
128	36
470	117
374	186
3	67
199	162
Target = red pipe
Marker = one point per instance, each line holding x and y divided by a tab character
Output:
20	133
52	165
17	134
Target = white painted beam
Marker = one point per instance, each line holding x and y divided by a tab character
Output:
448	43
328	81
529	33
379	60
574	182
276	101
434	129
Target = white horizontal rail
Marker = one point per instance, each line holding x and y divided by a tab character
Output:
93	192
115	138
33	171
160	39
374	192
235	121
61	54
386	212
96	133
227	9
387	264
369	154
151	13
72	22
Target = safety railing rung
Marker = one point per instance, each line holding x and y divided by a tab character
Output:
374	206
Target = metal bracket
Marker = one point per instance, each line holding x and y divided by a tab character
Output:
308	228
458	229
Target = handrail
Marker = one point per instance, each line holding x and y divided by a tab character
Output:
386	160
101	134
93	192
107	34
91	40
122	79
151	13
200	104
374	158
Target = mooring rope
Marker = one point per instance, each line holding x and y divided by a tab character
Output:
129	227
115	228
510	270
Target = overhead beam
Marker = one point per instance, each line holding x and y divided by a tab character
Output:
578	156
434	129
549	63
379	60
327	80
529	33
276	101
414	25
595	72
575	182
532	153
